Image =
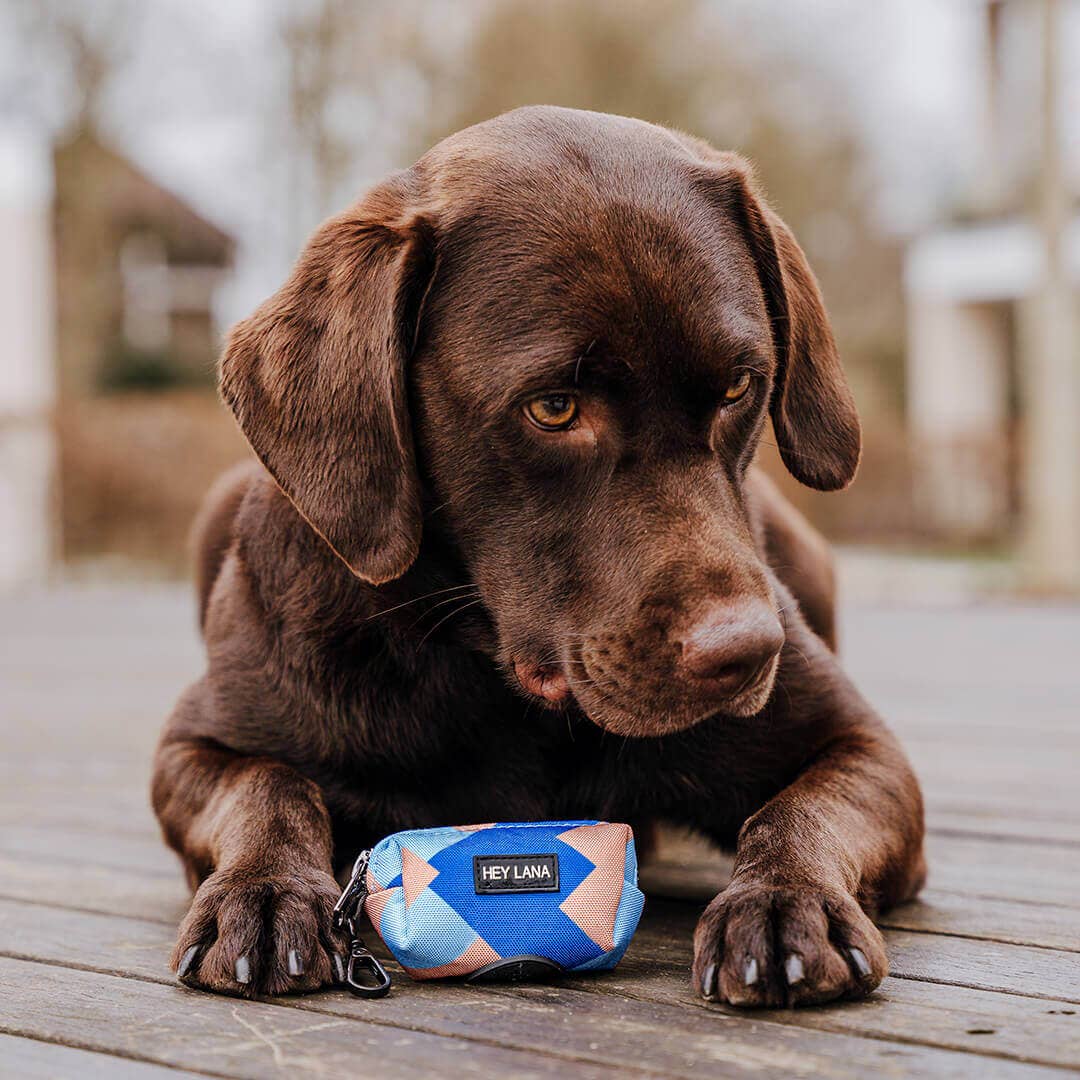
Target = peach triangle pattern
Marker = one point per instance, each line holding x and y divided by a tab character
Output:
593	904
475	956
375	905
416	875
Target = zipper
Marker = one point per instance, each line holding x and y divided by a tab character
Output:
365	976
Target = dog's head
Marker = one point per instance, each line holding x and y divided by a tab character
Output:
565	331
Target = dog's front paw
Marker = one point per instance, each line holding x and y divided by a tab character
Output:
254	933
768	945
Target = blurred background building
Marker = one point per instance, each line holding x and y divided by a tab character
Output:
29	526
137	271
162	162
992	357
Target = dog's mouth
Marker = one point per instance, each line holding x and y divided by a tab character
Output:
546	681
638	712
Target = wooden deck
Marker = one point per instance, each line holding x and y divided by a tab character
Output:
985	969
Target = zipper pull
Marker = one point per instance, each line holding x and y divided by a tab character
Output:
347	912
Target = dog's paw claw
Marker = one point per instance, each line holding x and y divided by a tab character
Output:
340	970
251	934
766	945
862	965
794	971
187	962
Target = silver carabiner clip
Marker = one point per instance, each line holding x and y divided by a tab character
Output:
361	961
346	916
351	901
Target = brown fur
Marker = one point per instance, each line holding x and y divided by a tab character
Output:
436	613
211	533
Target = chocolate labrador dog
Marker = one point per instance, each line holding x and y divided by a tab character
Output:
505	559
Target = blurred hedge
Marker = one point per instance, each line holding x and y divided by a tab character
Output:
134	468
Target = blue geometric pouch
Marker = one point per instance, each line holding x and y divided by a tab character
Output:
505	900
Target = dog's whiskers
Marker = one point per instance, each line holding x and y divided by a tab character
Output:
456	611
425	596
442	603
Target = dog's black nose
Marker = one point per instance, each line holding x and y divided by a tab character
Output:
731	644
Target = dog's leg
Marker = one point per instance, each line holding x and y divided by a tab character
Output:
255	839
815	864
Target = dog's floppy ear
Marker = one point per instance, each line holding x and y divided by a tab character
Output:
812	407
316	379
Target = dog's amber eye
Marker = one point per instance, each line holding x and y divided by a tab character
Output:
552	412
737	387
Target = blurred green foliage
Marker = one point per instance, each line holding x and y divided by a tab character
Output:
127	368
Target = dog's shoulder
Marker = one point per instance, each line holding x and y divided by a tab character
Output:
275	574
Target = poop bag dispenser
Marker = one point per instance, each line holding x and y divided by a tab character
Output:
506	902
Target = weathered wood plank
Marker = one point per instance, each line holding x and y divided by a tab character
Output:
989	965
913	1014
108	810
665	936
1005	869
998	868
937	911
986	965
668	1028
1006	650
1048	796
994	743
143	853
172	1026
1034	824
971	719
123	809
29	1059
902	1010
97	874
980	1021
940	912
95	888
978	866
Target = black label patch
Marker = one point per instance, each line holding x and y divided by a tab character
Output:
516	873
